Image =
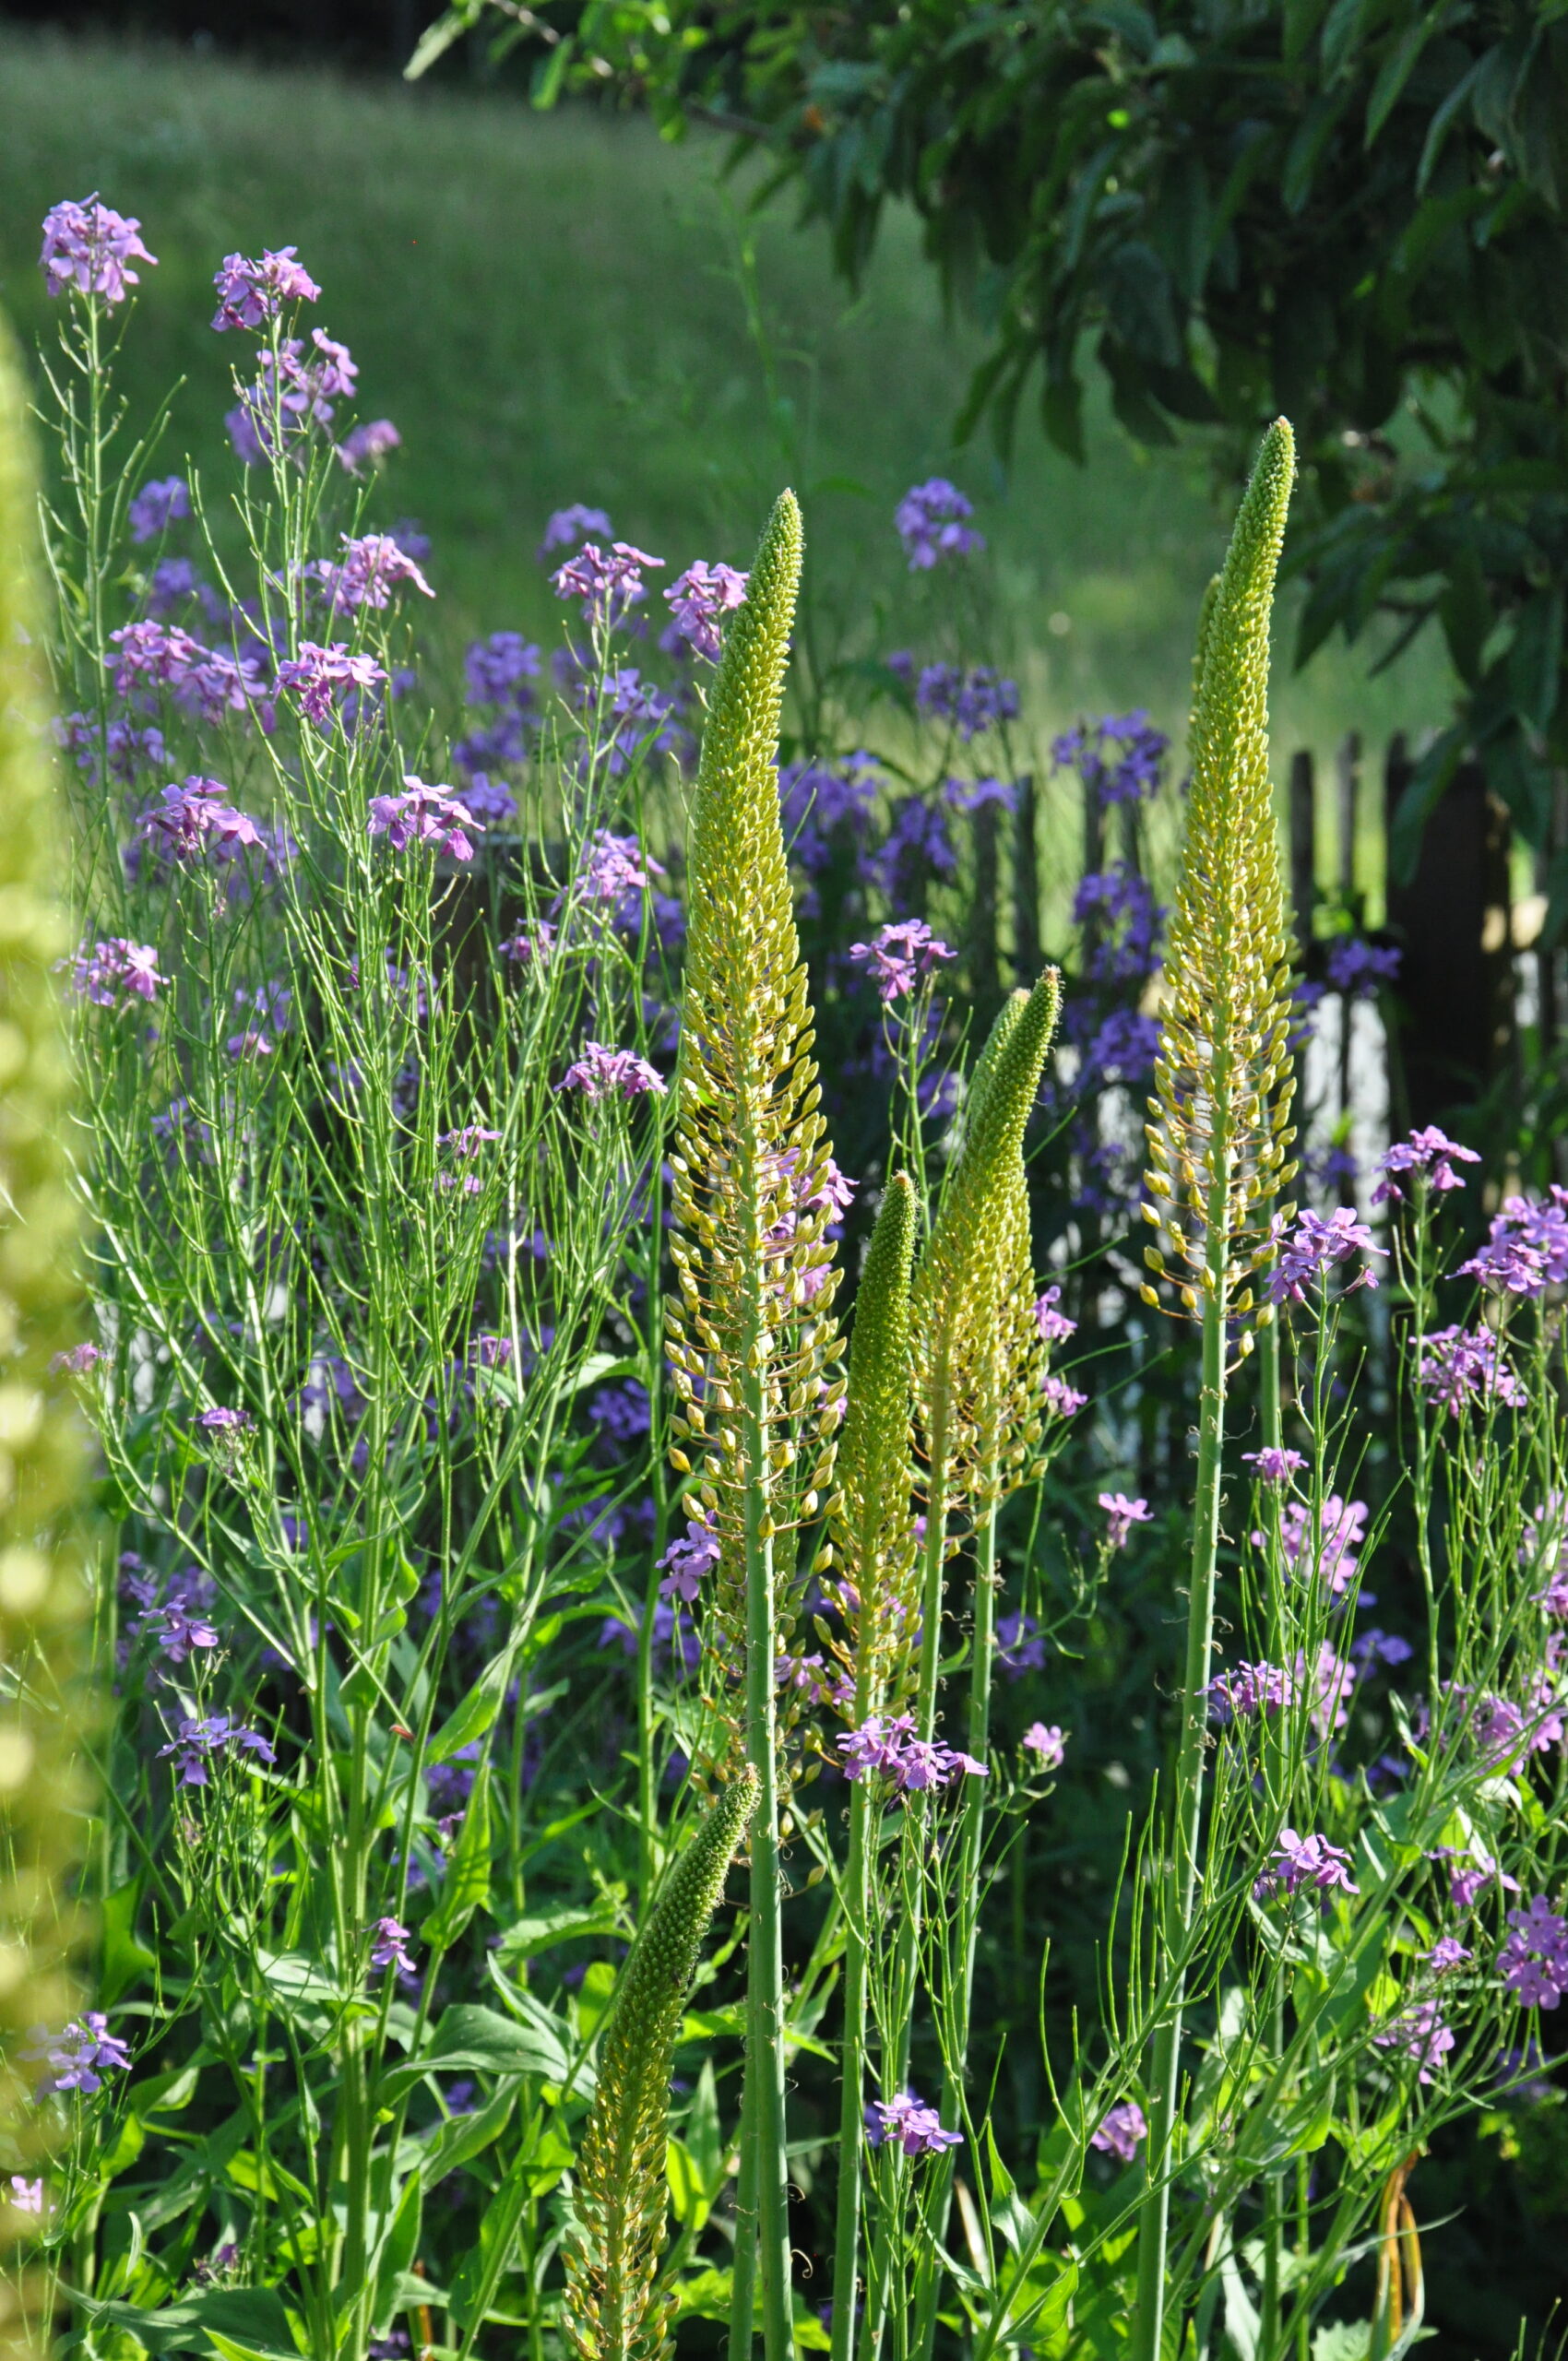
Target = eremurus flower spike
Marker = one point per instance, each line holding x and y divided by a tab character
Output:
1218	1135
751	1336
622	2196
43	1599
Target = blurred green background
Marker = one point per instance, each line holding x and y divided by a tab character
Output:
559	308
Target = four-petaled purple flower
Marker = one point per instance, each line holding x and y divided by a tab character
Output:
891	1749
75	1361
907	2123
1527	1249
317	672
974	699
1251	1689
1053	1324
116	969
192	817
390	1948
1447	1953
898	955
223	1421
1459	1367
424	815
1061	1400
1420	2032
1273	1465
1121	1515
203	1740
1310	1249
689	1556
1341	1529
26	2196
157	506
1305	1861
1534	1957
700	598
1430	1155
368	444
90	247
1120	2131
1047	1742
81	2057
932	523
251	293
608	586
177	1631
601	1071
568	527
368	572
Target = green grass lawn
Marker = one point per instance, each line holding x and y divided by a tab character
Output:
551	309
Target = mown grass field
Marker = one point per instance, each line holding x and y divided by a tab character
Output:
554	309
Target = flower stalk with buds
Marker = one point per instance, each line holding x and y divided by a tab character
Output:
1220	1135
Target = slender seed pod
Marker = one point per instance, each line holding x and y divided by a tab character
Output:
872	1522
1219	1131
611	2311
44	1598
754	1319
977	1349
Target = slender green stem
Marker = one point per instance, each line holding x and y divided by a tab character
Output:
742	2281
852	2128
1154	2217
1270	1437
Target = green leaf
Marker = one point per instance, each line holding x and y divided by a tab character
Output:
475	1716
437	39
251	2322
545	1930
473	2040
466	2135
466	1887
123	1961
1395	72
399	2250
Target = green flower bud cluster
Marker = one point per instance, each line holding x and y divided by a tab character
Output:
979	1358
611	2310
44	1597
1219	1127
752	1342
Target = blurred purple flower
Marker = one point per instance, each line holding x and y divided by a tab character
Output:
251	293
501	669
1527	1250
568	527
366	445
1460	1367
900	956
114	969
973	698
203	1740
1054	1325
156	506
608	586
599	1071
1534	1957
1119	756
1251	1689
931	522
75	1361
1061	1400
1420	2031
1121	1515
81	2057
700	598
907	2123
390	1948
317	672
89	247
1122	2131
424	815
1273	1465
689	1556
194	817
1357	969
368	572
1305	1861
1048	1741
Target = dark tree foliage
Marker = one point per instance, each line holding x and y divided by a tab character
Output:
1348	210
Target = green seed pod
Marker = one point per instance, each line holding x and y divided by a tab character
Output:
43	1597
610	2313
1223	1081
874	1522
975	1346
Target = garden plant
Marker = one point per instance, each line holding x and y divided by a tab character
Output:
590	1373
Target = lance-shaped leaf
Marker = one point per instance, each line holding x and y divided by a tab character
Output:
976	1348
1219	1122
611	2312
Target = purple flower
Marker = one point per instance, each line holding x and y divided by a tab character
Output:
1534	1957
911	2124
424	815
1019	1646
1275	1467
292	396
975	795
918	841
898	955
1447	1953
700	598
1054	1325
973	698
1341	1531
1121	1515
369	570
1049	1741
177	1631
1430	1155
1420	2032
1357	969
26	2196
1061	1400
251	293
1120	2131
568	527
81	2057
90	247
368	444
608	586
194	817
317	672
156	506
1118	756
1371	1648
914	1764
203	1741
1305	1861
1251	1689
75	1361
1328	1680
613	869
127	747
501	669
531	946
222	1421
1472	1872
1123	922
1309	1250
116	969
390	1948
599	1072
1123	1048
1459	1367
206	681
688	1557
1527	1247
931	522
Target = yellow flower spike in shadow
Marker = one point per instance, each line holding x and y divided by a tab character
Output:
612	2311
44	1597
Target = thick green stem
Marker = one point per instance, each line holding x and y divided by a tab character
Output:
1274	2187
1154	2216
971	1852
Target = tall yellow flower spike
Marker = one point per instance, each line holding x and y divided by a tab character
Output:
1219	1125
43	1599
